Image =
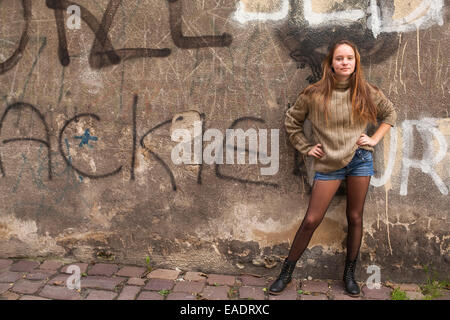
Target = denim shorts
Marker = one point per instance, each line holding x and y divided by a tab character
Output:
361	165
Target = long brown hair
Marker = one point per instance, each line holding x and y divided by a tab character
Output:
363	107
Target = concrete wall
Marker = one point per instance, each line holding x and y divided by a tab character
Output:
89	105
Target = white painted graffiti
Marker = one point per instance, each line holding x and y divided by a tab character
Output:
426	14
242	15
430	134
427	129
380	18
339	17
381	181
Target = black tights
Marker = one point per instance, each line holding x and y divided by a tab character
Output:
321	196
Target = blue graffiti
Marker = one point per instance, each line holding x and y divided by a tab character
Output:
85	139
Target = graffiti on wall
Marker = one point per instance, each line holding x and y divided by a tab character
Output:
380	19
381	16
434	141
82	140
311	25
305	41
429	132
103	53
261	10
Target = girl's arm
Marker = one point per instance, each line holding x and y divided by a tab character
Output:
295	117
377	136
387	115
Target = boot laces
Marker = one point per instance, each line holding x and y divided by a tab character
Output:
350	270
286	271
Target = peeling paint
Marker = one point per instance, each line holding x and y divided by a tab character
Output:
97	236
25	231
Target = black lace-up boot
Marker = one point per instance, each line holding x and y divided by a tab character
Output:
284	278
349	278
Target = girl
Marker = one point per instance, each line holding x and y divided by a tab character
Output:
339	106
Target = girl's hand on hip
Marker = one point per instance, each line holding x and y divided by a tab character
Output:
316	151
365	140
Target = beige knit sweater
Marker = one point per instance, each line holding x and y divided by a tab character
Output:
339	138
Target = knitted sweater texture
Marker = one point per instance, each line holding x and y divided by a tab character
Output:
339	137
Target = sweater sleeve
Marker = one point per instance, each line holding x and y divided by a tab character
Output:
385	109
295	117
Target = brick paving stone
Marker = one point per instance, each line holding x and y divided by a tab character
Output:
164	274
220	279
103	269
159	284
408	287
8	295
255	293
249	280
180	296
445	295
297	283
4	287
189	286
149	295
132	272
319	296
315	286
136	281
101	295
27	297
384	293
24	266
414	295
82	266
215	293
98	282
59	293
195	276
40	275
344	296
5	263
285	295
51	265
59	280
24	286
9	276
129	293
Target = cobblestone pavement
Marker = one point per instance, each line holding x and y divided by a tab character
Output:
42	280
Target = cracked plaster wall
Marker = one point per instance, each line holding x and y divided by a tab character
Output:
98	180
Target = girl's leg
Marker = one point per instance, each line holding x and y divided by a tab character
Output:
357	187
322	193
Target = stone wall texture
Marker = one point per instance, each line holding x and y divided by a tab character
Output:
92	91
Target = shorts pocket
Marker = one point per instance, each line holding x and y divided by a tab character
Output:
364	155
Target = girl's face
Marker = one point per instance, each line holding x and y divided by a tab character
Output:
343	62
